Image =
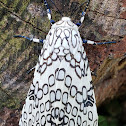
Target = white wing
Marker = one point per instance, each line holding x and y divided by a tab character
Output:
61	93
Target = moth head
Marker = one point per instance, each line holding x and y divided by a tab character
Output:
66	19
66	23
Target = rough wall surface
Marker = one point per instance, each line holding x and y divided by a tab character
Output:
105	21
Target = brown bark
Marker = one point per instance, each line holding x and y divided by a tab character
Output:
105	21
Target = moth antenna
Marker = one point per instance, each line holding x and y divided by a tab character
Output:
97	43
83	14
49	12
56	7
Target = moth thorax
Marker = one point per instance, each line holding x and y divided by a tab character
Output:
66	19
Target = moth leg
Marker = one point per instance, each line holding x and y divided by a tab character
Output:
31	39
96	43
29	71
93	73
83	14
49	12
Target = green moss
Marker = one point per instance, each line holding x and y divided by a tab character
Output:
107	121
3	21
9	100
102	121
56	16
3	37
14	3
5	1
82	1
16	45
21	6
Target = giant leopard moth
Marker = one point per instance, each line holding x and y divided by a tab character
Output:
62	92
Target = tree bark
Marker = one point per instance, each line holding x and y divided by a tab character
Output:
105	21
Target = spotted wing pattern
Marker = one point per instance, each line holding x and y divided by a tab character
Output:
61	93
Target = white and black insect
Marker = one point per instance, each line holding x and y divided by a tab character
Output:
61	93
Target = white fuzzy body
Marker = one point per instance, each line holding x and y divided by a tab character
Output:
61	93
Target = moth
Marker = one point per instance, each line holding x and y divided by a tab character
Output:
61	93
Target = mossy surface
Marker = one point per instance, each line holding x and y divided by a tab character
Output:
18	55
